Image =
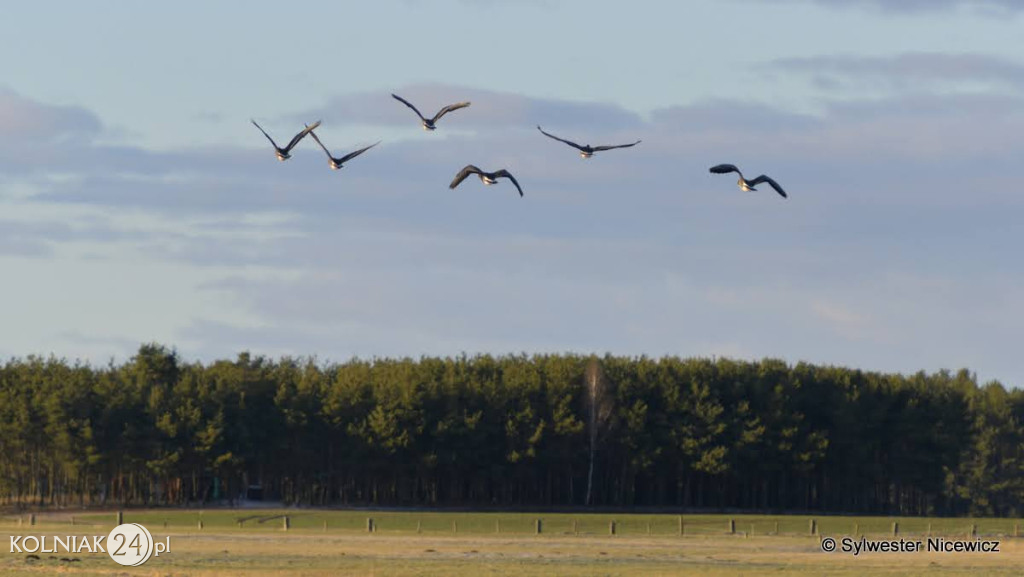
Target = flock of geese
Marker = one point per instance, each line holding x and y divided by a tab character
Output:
586	151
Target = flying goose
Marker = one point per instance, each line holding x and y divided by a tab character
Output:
586	151
748	185
429	123
485	177
337	163
283	153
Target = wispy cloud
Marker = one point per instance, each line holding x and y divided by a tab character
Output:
845	321
489	109
25	122
915	71
991	7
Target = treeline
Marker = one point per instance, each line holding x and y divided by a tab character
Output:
547	430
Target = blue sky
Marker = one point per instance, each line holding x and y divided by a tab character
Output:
137	203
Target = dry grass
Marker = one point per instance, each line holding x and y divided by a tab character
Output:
228	551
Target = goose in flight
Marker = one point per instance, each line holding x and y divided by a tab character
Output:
485	177
337	163
283	153
586	151
748	185
429	123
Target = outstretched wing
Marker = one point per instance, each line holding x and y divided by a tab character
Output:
295	139
352	155
407	103
726	169
569	142
508	175
468	170
773	184
610	147
448	109
264	133
317	139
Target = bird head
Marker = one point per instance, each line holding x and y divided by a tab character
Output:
283	156
585	154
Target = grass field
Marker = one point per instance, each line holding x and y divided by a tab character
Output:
321	543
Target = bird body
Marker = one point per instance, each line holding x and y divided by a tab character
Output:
487	178
284	154
586	151
431	123
748	185
337	163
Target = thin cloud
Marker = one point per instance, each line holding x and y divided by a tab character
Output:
987	7
489	109
25	122
844	320
910	71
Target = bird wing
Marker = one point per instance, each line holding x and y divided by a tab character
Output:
264	133
352	155
508	175
773	184
317	139
448	109
726	169
569	142
295	139
407	103
468	170
610	147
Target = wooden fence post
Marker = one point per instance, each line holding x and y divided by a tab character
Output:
611	527
732	526
539	527
813	527
895	528
286	524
